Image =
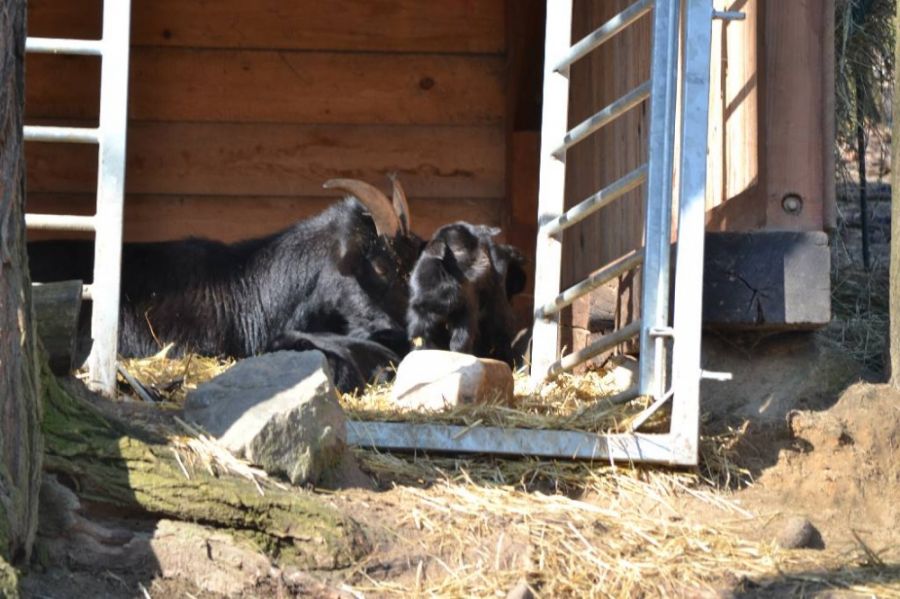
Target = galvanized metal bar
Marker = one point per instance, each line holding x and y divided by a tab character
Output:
604	33
391	436
74	135
110	193
658	195
607	273
596	201
599	346
551	202
59	222
52	45
87	291
581	131
686	370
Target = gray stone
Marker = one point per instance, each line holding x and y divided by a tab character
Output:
799	533
279	411
434	380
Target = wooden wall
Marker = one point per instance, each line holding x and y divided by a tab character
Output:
240	109
771	132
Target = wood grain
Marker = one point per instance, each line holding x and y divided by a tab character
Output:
176	84
289	160
463	26
795	123
230	218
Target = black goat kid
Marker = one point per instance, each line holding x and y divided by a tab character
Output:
335	282
460	290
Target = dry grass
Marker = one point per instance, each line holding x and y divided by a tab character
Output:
478	524
479	531
169	379
568	402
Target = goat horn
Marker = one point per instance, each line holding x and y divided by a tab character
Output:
401	206
386	220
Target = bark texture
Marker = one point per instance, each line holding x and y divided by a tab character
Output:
20	440
122	463
894	340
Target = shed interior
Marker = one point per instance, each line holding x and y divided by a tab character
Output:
240	109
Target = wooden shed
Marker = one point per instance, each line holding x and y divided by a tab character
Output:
240	109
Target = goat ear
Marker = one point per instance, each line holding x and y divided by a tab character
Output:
447	256
491	231
516	277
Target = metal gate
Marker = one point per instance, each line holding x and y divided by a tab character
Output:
106	223
665	346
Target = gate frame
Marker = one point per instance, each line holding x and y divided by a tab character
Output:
680	446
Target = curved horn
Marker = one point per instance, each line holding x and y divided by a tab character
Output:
386	221
401	206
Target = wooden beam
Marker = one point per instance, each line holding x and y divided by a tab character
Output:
178	84
230	218
290	160
470	26
795	127
767	280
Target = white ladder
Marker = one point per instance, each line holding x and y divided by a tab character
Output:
656	175
106	223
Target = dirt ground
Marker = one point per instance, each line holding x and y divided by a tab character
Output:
446	527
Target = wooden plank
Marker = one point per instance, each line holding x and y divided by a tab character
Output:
294	160
229	218
463	26
735	185
767	279
176	84
795	127
525	20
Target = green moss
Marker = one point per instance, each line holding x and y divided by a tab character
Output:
112	465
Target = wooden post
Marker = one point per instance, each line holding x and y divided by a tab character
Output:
56	310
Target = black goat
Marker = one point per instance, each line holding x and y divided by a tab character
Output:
460	290
335	282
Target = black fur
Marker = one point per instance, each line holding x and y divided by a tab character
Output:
460	290
329	274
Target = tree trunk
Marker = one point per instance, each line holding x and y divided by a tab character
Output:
894	340
20	440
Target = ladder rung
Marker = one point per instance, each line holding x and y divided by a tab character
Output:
597	347
75	135
596	201
52	45
604	33
59	222
604	117
624	264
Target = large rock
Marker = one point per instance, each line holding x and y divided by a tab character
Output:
279	411
434	380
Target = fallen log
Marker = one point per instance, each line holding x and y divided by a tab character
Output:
123	457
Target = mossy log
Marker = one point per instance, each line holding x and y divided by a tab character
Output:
114	463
